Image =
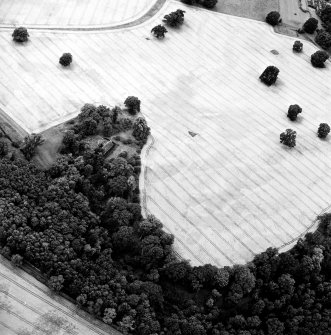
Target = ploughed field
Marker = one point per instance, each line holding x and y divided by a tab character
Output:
232	190
68	13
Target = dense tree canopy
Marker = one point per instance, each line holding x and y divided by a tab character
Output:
80	223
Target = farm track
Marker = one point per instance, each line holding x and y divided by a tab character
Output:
225	195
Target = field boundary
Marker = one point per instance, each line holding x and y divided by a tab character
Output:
132	23
143	180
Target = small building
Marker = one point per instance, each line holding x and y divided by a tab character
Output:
109	147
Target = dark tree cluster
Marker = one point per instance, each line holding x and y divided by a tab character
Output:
30	145
319	58
80	223
132	104
293	112
288	138
310	25
159	31
323	130
325	16
204	3
273	18
323	39
20	35
140	130
65	59
174	19
269	75
98	120
297	46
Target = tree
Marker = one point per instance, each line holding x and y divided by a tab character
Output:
3	149
88	111
109	315
126	123
297	46
318	58
140	129
208	3
188	2
293	112
20	35
17	260
273	18
177	271
174	19
323	130
65	59
310	25
114	114
325	15
132	104
269	75
323	38
30	145
159	31
56	283
275	327
288	138
88	127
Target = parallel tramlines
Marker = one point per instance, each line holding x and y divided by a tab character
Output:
182	81
69	13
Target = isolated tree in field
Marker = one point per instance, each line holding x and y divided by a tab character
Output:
318	58
273	18
310	25
20	34
288	138
323	39
323	130
132	104
297	46
159	31
30	145
293	112
208	3
65	59
174	19
269	75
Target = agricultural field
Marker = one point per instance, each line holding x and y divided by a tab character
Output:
252	9
232	190
292	14
27	307
71	13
